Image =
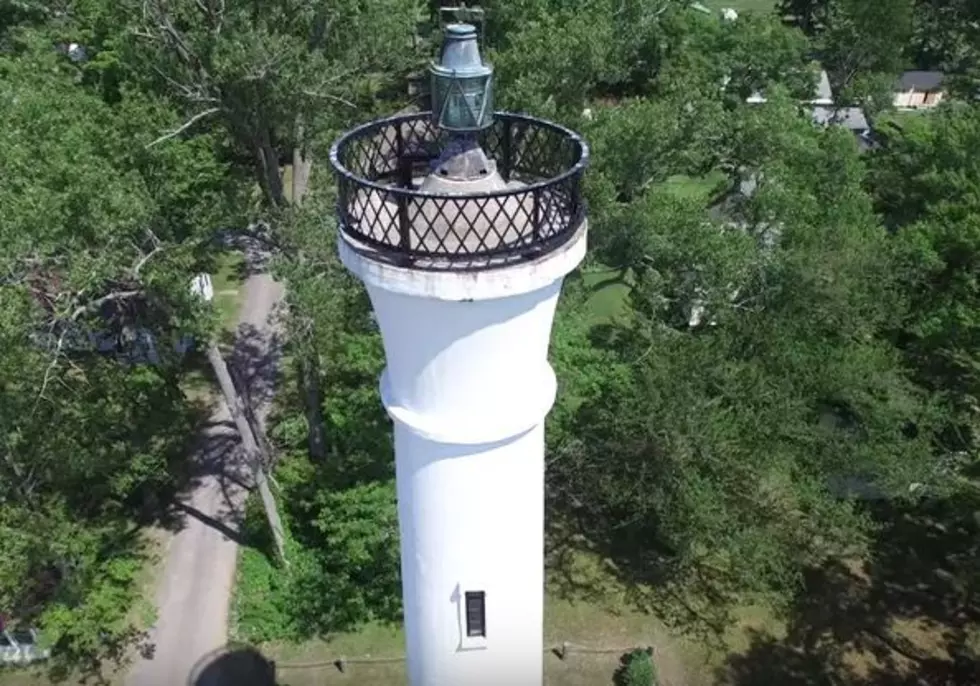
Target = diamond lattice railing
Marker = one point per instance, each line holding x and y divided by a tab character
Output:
380	164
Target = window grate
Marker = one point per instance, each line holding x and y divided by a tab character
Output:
476	613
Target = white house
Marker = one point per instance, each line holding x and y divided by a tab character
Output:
916	90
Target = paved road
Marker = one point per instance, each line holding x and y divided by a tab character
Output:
196	585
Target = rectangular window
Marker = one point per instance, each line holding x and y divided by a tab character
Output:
476	613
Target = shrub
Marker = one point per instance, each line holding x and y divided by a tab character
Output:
344	574
636	668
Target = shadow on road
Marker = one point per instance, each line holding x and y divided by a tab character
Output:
216	524
242	666
216	456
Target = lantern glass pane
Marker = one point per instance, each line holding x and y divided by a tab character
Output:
462	103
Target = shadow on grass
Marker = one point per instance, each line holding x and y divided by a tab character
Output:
908	617
233	666
598	281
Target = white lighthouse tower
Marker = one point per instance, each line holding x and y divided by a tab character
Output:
462	224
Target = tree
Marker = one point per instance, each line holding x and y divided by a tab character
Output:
637	669
809	15
926	186
863	47
946	36
278	78
704	436
553	57
272	74
100	236
254	455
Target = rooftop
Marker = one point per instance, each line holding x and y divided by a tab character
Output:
849	117
920	81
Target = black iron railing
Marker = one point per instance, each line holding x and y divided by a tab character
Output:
380	166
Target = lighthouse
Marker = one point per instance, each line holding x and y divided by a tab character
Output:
462	223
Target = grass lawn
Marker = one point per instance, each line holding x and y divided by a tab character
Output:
608	290
702	187
578	623
609	287
903	618
603	623
227	281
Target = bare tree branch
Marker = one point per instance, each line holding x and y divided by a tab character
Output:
50	369
144	260
194	94
186	54
327	96
99	302
186	125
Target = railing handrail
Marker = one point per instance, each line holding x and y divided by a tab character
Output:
377	124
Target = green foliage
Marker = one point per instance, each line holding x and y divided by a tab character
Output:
258	611
354	578
274	76
863	45
637	669
863	39
925	183
946	36
774	344
99	237
343	569
754	354
754	363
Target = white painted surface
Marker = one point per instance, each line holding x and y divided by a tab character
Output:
489	284
472	519
467	372
468	385
201	287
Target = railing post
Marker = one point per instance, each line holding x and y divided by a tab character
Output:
404	171
536	217
342	209
404	225
506	151
575	203
403	165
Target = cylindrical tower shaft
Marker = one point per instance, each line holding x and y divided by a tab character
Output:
448	497
468	386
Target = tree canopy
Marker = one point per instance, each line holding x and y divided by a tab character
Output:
773	326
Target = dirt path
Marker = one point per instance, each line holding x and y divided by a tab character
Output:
196	584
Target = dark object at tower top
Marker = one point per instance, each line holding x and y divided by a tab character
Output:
462	84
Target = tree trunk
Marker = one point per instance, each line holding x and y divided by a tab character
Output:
253	454
309	364
309	380
302	166
269	174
